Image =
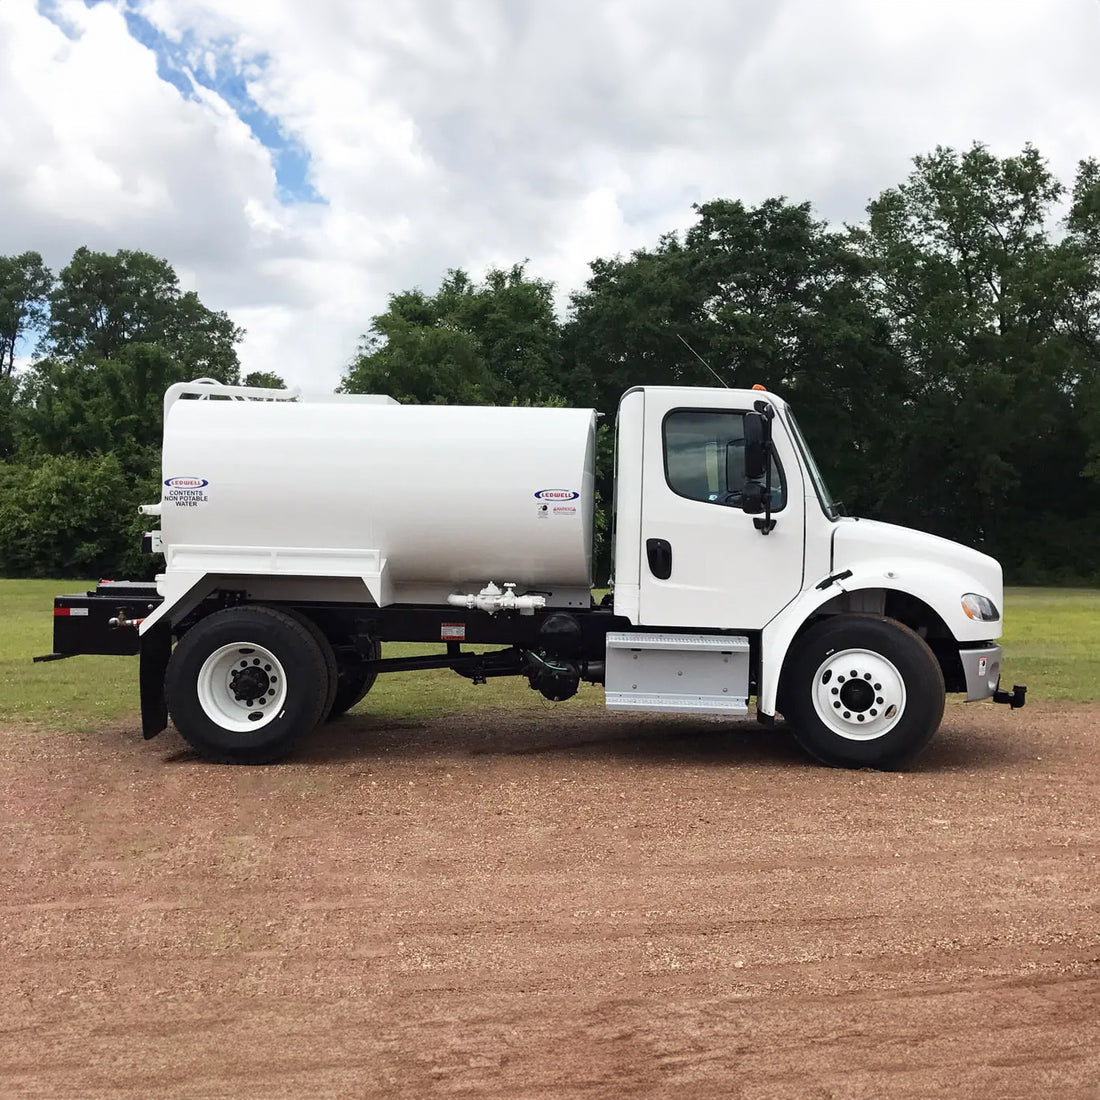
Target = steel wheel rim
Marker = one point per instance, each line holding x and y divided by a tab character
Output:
242	687
858	694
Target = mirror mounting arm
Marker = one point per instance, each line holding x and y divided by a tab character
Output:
757	495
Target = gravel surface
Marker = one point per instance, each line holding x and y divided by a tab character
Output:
567	904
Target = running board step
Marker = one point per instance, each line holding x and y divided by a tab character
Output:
678	673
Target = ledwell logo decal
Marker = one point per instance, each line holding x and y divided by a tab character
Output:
556	494
186	482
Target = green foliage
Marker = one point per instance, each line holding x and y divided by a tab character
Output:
25	284
120	333
103	304
468	344
995	322
8	409
69	406
625	327
1079	300
80	429
65	515
605	492
263	379
761	295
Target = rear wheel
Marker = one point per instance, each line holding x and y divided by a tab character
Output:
327	652
860	691
354	679
245	684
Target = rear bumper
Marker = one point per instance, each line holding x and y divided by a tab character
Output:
104	620
982	668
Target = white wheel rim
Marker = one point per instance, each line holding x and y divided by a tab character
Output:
242	686
858	694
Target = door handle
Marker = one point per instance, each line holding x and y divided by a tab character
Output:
659	552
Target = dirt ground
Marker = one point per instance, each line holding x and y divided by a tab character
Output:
570	904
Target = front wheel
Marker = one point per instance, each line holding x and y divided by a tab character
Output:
862	692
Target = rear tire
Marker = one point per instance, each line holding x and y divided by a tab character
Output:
353	681
244	685
862	692
325	646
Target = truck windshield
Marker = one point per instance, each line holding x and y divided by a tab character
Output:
828	505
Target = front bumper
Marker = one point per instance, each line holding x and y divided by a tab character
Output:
982	669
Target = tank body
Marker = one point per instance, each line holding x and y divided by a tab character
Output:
448	495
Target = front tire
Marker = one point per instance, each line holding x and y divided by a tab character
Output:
244	685
862	692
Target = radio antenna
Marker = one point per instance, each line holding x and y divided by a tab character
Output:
702	360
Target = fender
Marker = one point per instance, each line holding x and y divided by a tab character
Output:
180	592
939	586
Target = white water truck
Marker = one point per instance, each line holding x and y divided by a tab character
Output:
299	535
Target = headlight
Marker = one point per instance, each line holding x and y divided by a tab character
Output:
981	608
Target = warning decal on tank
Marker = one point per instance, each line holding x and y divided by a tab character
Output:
452	632
185	492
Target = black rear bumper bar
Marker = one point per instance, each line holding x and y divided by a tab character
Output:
106	621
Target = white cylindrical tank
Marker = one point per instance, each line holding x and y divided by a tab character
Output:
448	494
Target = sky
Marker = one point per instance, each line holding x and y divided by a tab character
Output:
297	163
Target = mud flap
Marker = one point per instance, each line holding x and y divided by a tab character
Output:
156	648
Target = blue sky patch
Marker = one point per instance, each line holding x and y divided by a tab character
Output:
51	9
212	64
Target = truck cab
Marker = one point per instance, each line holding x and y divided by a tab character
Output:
696	550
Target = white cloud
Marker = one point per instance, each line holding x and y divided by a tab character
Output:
459	135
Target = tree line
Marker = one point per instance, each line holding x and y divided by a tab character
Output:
942	354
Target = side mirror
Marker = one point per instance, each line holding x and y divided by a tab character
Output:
756	495
756	432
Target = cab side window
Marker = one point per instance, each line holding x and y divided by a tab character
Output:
705	457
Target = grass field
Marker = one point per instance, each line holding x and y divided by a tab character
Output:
1052	644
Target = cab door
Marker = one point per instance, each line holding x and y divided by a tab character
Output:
705	562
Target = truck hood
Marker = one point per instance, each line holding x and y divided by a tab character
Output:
860	542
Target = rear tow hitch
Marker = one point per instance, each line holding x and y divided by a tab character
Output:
1014	698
